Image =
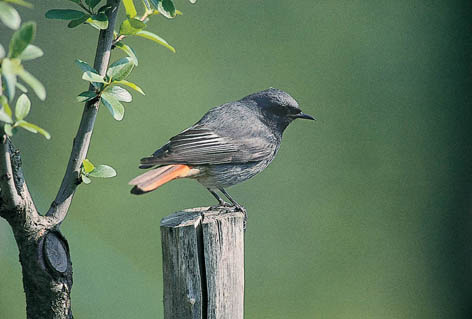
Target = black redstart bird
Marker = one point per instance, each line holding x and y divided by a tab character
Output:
230	144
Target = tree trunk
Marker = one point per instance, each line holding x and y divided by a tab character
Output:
46	268
44	254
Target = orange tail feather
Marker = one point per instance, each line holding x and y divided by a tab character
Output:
157	177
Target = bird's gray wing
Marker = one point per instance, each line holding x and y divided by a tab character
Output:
200	145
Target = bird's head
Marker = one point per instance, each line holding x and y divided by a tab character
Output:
277	107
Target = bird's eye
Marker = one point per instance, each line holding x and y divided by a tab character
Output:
279	111
293	110
285	110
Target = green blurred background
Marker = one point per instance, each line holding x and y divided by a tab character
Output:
365	213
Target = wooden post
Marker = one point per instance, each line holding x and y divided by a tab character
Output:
203	264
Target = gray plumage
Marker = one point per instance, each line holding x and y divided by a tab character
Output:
231	143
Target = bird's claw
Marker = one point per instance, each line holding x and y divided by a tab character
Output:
224	204
220	205
238	208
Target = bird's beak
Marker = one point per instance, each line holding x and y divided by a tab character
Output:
302	115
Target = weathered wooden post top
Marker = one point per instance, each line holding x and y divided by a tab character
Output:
203	264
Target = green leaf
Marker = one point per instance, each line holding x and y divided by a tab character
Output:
23	106
131	26
120	69
88	166
85	179
77	22
103	171
7	129
86	96
98	21
131	85
120	94
64	14
34	83
166	8
129	8
84	66
2	52
4	117
21	39
128	50
20	3
114	106
93	77
92	3
9	71
30	53
21	87
5	105
5	111
33	128
75	1
9	16
153	37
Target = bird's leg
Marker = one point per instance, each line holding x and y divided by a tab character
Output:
235	203
220	200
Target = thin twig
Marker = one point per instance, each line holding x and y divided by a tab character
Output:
9	193
71	180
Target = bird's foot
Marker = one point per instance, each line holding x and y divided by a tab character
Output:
237	208
221	204
224	204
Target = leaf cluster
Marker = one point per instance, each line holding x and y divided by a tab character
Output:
90	14
110	89
12	70
135	25
106	87
22	109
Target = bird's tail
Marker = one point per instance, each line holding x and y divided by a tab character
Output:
154	178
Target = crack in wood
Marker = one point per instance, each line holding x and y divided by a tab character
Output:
202	268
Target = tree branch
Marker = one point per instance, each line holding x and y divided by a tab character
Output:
71	180
10	197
